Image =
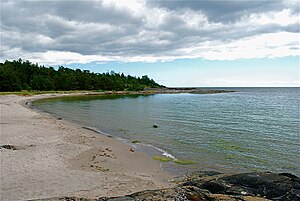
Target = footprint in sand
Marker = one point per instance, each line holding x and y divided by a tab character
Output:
99	168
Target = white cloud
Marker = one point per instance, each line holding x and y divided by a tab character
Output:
135	6
282	18
56	58
266	45
62	32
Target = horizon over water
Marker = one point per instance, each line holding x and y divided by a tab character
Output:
254	129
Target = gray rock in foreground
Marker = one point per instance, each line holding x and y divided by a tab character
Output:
214	186
283	186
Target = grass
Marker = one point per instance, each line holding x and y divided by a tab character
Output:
31	93
35	92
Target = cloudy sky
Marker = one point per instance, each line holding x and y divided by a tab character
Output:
178	43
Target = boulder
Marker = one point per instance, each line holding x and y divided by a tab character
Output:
266	185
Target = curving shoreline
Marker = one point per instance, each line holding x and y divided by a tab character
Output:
47	158
44	157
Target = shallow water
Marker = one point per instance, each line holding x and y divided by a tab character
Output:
252	129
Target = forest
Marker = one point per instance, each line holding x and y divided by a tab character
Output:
18	75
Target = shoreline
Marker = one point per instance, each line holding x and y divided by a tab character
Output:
159	153
55	158
146	91
147	149
181	166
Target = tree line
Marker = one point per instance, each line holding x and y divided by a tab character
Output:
20	75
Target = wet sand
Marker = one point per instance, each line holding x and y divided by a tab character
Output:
50	157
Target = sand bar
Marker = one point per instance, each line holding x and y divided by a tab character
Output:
55	158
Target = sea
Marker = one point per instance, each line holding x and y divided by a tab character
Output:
252	129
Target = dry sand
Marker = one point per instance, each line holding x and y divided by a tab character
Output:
55	158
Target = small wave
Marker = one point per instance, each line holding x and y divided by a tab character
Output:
164	152
168	155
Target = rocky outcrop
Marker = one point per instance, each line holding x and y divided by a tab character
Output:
215	186
283	186
185	90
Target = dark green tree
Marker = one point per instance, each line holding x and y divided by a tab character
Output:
23	75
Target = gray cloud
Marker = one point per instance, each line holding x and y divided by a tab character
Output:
96	28
72	26
221	10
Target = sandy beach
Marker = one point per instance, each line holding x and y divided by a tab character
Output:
50	157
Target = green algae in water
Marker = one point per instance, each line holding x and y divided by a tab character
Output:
290	167
122	130
250	157
184	162
229	146
162	158
178	161
263	162
230	157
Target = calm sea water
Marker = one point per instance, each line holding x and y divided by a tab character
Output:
252	129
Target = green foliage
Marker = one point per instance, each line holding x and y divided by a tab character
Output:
23	75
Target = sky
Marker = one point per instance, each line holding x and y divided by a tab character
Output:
177	43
